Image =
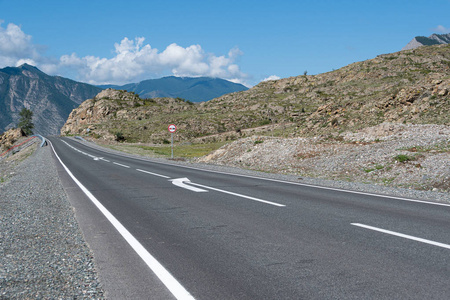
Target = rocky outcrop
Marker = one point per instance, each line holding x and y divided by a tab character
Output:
434	39
404	87
8	138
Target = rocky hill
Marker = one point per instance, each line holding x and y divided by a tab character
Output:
193	89
405	87
390	154
434	39
51	98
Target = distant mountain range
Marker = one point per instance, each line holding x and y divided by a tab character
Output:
434	39
196	89
52	98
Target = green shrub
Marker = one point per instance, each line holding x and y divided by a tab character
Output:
403	158
119	137
264	122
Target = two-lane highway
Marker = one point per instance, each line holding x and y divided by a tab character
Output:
162	231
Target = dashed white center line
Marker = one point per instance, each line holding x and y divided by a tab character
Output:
125	166
180	181
151	173
410	237
239	195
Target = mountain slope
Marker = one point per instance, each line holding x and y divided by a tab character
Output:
51	98
434	39
194	89
406	87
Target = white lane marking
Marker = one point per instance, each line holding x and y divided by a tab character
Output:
287	182
313	186
84	153
410	237
180	183
151	173
166	278
239	195
125	166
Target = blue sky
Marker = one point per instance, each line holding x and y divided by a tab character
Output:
244	41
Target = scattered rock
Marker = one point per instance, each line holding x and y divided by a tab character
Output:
363	156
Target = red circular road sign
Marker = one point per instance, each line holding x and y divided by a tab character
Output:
172	128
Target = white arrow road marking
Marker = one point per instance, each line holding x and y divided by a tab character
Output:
240	195
97	158
180	183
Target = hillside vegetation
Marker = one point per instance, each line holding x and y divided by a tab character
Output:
405	87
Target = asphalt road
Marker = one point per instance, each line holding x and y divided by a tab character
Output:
190	233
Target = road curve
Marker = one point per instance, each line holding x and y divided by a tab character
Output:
221	236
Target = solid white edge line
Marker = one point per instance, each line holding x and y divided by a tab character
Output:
166	278
284	181
143	171
410	237
239	195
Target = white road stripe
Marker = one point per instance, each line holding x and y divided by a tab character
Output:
292	182
143	171
239	195
410	237
166	278
125	166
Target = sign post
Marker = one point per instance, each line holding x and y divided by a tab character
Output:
172	129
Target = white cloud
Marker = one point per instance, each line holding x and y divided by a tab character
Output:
441	29
272	77
133	60
15	46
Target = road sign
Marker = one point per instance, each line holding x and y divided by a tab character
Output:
172	128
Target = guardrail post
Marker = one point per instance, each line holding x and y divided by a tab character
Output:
44	141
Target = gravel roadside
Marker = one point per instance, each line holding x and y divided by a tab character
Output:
43	254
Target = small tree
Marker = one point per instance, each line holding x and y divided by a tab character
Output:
25	122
